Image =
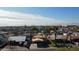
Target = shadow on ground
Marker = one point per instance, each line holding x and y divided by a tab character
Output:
42	45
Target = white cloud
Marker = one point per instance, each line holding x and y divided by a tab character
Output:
17	18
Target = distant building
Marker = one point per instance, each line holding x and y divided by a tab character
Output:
51	37
75	36
62	36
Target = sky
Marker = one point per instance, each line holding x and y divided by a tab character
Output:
18	16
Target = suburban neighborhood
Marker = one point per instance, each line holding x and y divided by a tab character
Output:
39	29
39	38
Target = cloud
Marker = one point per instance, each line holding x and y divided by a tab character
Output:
9	18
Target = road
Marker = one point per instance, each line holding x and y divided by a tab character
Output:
17	48
33	47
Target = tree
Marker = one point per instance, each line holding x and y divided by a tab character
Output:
34	29
47	29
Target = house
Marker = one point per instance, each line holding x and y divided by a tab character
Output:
75	36
38	37
62	36
51	37
20	40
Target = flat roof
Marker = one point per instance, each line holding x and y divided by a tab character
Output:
17	38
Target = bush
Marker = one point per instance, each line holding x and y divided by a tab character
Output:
53	43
